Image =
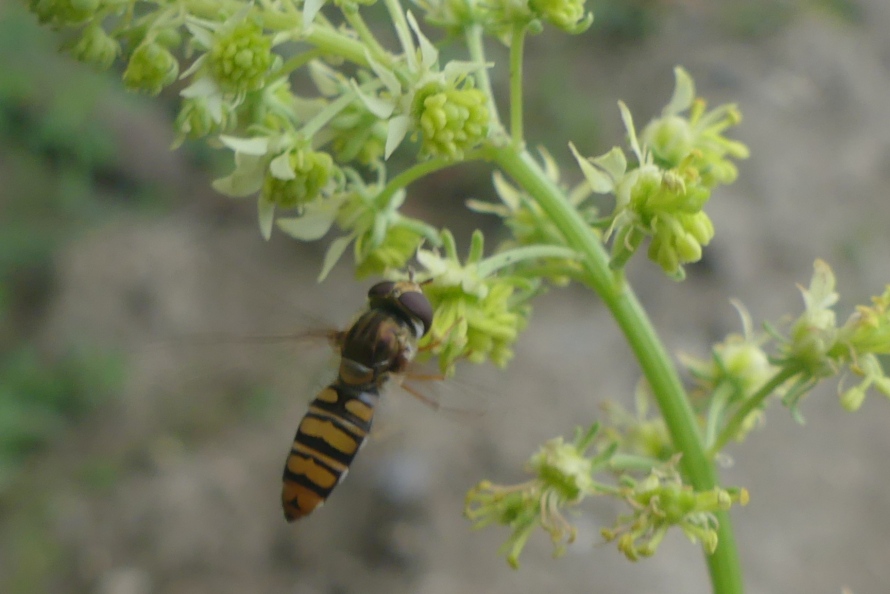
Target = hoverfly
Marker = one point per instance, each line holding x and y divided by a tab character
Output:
382	342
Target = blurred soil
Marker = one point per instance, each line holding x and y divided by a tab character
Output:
195	440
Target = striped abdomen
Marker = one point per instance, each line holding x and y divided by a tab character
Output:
327	440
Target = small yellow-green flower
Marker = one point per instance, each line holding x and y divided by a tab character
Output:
296	177
479	314
451	121
359	135
151	68
815	332
634	432
562	478
240	57
398	246
661	501
95	46
63	12
696	139
568	15
199	117
679	161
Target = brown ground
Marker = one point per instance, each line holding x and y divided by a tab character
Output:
198	435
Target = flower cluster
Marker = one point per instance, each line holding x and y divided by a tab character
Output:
451	120
680	159
563	477
240	56
438	104
151	68
635	432
479	314
737	368
661	501
95	46
290	174
817	347
64	12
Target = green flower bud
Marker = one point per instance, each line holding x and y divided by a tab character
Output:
451	121
151	68
853	398
296	178
63	12
688	249
670	140
360	135
452	15
197	119
240	57
568	15
397	248
564	468
96	47
664	253
700	227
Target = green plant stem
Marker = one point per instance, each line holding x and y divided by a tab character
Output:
354	17
529	252
324	116
403	32
733	425
517	45
417	171
723	564
476	48
295	63
630	462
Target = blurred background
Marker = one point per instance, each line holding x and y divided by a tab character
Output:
133	463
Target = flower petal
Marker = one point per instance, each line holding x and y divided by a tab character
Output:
249	146
395	133
266	212
684	93
310	9
280	167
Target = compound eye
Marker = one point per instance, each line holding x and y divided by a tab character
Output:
381	290
416	304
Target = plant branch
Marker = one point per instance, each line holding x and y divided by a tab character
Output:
517	46
417	171
654	359
733	425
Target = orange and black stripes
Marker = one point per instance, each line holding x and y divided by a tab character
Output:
327	440
381	342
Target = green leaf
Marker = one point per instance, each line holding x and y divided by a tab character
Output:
333	255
